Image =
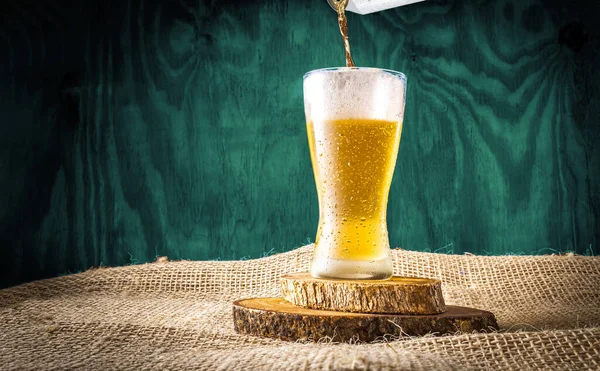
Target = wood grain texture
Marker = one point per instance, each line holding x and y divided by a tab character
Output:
135	129
402	295
277	318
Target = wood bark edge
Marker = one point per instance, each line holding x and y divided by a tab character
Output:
404	295
277	318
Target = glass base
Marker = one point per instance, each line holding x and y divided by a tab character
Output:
352	269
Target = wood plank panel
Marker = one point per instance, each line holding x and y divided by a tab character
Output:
138	129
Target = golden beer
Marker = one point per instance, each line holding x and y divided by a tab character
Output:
353	163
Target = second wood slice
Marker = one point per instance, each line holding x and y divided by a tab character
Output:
401	295
277	318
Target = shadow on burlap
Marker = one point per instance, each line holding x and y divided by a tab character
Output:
177	315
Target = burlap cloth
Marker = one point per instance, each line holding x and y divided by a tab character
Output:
177	315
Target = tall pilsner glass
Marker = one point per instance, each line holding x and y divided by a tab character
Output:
354	121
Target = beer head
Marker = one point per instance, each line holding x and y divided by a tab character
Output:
362	93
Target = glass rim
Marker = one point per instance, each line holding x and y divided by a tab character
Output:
401	75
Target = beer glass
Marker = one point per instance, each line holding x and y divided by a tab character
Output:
354	121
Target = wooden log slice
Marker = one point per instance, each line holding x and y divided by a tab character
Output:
405	295
277	318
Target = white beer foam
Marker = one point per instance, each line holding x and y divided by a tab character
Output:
362	93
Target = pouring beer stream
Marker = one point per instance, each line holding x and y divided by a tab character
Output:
340	7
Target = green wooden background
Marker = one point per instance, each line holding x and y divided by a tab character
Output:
135	129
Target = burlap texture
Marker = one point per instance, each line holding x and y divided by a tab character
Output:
177	315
